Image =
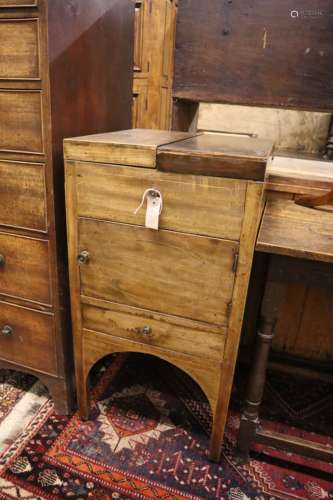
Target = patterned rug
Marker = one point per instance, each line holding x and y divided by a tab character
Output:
147	439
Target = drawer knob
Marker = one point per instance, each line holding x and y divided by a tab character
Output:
7	331
147	330
83	257
2	260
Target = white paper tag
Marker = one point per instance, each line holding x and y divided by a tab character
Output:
154	209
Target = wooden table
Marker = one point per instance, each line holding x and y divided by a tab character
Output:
302	233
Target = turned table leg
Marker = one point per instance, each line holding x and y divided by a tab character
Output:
255	390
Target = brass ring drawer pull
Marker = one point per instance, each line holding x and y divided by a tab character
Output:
2	260
7	331
83	257
147	330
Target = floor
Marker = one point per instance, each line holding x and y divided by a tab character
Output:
148	438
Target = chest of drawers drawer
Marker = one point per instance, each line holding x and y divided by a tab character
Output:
7	4
21	121
179	274
19	49
27	338
24	268
23	195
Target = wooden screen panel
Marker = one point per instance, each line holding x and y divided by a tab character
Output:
138	31
140	116
255	52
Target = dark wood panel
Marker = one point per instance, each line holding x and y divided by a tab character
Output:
91	70
100	35
276	53
217	155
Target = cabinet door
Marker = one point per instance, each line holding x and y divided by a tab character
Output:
178	274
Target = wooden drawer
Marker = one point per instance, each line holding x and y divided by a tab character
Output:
191	204
167	332
19	50
177	274
21	121
24	268
22	195
18	3
29	340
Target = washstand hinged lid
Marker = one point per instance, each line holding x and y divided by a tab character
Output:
220	155
135	147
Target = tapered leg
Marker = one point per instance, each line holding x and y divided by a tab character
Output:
255	390
62	393
83	397
216	440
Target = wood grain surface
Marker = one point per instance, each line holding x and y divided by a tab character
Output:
22	195
168	332
96	345
26	261
19	49
275	53
218	155
206	206
21	113
135	147
290	229
32	342
193	275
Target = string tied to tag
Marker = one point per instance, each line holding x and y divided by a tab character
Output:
155	193
154	207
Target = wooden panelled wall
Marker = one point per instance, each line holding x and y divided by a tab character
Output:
153	63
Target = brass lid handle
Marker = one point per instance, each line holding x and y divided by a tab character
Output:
2	260
83	257
7	331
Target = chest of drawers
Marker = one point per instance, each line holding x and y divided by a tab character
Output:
177	292
51	86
